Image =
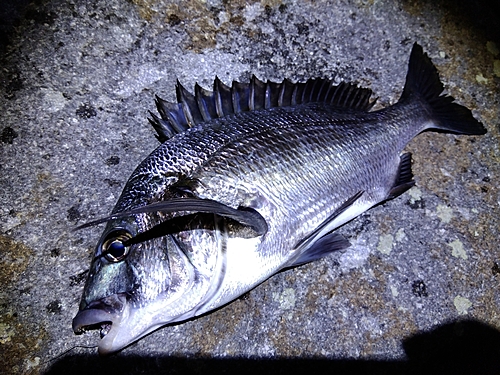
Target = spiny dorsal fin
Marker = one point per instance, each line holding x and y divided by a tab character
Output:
191	110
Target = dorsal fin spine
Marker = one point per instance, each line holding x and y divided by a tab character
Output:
218	99
267	100
205	101
224	101
329	92
286	92
324	90
240	97
314	91
307	92
235	98
259	94
191	110
189	106
251	96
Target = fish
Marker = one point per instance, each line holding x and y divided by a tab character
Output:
251	179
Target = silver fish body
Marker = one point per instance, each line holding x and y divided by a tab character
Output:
250	180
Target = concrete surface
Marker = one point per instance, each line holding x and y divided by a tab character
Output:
419	290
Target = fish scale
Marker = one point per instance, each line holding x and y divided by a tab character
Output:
335	186
298	158
249	180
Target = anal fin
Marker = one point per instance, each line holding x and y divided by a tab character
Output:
404	179
321	248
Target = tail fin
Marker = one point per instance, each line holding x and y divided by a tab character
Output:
423	80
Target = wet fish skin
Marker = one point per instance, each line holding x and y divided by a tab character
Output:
301	158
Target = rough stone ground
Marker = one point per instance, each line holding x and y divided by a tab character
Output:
419	290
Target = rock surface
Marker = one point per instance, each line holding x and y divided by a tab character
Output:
418	291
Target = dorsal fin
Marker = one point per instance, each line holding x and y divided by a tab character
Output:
205	105
206	102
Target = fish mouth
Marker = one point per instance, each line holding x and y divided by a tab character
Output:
106	315
92	319
119	322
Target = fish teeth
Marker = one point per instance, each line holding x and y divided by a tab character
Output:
105	327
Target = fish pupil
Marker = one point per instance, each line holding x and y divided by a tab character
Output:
116	249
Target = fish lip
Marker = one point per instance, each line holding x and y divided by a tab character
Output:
104	314
105	310
90	319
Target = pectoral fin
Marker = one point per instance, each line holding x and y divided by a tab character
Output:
244	215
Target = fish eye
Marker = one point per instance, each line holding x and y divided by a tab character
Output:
113	247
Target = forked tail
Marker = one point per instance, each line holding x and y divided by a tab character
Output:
423	80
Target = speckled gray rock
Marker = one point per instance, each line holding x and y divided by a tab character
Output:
78	79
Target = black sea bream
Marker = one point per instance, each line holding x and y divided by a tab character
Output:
249	180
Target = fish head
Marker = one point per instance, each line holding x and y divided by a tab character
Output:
134	289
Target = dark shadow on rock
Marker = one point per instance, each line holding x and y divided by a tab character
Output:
462	347
465	347
11	14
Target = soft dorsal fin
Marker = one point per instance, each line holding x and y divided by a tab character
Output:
205	105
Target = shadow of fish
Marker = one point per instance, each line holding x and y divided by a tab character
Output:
248	180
